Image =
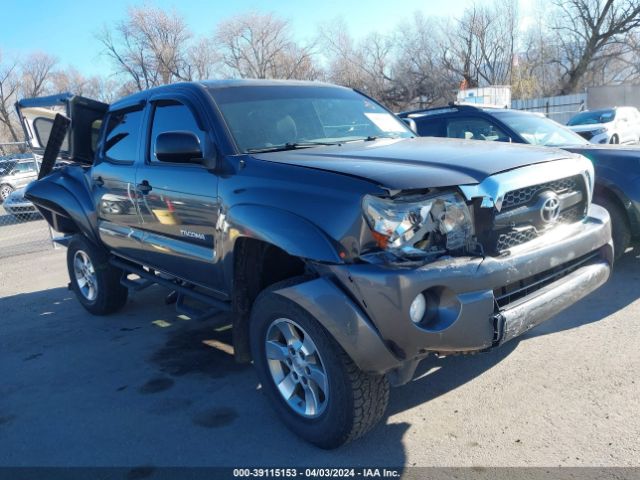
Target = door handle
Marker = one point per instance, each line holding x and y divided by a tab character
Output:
98	181
144	187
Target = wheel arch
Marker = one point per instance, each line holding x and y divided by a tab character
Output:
65	211
611	192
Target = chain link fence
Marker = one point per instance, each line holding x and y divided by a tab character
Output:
22	228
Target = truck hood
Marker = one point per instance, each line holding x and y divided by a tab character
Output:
417	162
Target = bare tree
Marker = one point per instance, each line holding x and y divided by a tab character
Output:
149	48
260	45
367	65
584	32
9	89
344	58
99	88
203	60
479	46
36	72
459	47
419	74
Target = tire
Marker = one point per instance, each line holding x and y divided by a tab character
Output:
620	230
614	139
5	191
103	294
354	401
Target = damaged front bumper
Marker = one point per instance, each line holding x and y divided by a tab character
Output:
473	303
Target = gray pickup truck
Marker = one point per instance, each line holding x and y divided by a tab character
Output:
346	249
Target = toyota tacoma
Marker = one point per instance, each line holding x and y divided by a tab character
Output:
346	248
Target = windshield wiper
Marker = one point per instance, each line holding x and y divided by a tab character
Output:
290	146
371	138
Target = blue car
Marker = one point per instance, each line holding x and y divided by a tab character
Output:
617	167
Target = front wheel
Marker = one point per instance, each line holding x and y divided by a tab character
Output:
95	282
315	388
5	191
614	140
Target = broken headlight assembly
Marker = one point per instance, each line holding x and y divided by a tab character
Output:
417	227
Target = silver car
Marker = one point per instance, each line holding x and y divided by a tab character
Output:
17	173
19	207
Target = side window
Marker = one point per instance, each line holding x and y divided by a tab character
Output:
26	167
171	117
433	127
122	136
472	128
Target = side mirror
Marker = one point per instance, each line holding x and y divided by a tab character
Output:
178	147
411	123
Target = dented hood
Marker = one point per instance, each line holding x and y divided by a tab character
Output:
417	162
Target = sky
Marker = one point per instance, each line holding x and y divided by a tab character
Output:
67	28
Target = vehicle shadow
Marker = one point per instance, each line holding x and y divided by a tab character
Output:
157	365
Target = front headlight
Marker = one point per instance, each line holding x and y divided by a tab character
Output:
419	225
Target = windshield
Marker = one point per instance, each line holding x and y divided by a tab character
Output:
285	116
539	130
592	118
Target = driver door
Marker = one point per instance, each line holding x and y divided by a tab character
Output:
179	202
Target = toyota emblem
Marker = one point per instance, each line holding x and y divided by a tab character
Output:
550	210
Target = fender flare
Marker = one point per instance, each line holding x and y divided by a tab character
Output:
294	234
346	323
64	197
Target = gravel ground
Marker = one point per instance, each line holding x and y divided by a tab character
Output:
128	390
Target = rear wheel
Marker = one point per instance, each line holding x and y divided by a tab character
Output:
315	388
620	230
95	282
5	191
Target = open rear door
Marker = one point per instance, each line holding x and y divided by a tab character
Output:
37	116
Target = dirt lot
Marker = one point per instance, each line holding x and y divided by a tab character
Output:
123	390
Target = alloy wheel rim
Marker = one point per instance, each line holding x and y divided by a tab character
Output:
85	275
5	192
296	368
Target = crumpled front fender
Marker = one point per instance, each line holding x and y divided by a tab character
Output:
64	199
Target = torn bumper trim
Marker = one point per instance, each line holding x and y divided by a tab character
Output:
551	300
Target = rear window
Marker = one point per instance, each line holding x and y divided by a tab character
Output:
122	136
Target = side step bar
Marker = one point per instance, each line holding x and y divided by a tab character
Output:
147	279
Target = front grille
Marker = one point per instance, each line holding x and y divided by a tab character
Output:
521	218
522	196
571	215
515	237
